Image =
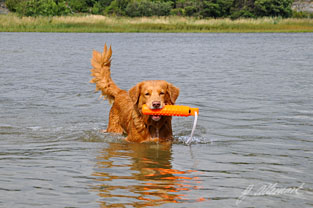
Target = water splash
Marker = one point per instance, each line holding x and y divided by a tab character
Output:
188	142
195	140
98	136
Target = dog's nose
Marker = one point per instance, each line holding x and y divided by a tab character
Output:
156	104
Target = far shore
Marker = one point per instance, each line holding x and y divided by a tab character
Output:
100	24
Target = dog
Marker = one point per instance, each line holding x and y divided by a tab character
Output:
125	115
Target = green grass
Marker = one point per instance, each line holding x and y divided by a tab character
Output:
96	23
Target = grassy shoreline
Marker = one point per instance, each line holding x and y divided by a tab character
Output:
97	23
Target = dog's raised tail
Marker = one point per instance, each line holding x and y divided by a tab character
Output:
101	63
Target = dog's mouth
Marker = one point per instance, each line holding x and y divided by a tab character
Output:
156	105
156	117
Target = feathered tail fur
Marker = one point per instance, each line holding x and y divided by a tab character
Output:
101	74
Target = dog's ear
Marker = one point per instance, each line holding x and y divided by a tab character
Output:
134	93
173	93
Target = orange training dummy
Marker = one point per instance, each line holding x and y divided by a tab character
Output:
171	110
175	110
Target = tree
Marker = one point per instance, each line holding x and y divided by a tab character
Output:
273	8
133	8
217	8
39	7
12	5
78	5
117	7
148	8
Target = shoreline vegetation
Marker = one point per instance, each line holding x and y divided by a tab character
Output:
101	24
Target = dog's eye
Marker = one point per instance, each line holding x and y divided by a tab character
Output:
147	94
162	93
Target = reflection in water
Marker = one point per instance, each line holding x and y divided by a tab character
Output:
141	175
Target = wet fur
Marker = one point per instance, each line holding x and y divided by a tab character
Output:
125	114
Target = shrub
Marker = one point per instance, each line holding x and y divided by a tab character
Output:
78	5
148	8
190	10
12	5
210	9
117	7
97	8
302	14
245	13
135	8
273	8
63	9
37	8
164	8
216	8
177	11
42	8
225	7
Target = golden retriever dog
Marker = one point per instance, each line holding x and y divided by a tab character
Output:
126	114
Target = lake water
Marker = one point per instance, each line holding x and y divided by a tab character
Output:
253	145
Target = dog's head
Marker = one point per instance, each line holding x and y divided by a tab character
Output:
155	94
